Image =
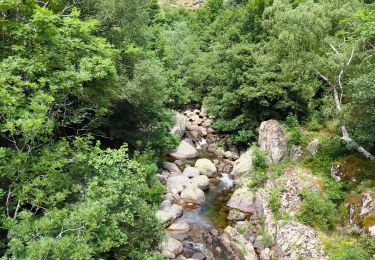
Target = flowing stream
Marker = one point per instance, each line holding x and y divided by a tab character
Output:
207	220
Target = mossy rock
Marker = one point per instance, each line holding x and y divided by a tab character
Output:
352	168
368	221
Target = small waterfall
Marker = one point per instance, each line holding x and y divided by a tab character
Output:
226	182
352	210
201	142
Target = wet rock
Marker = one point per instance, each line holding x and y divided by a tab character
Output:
200	181
169	214
295	241
295	152
176	184
191	172
206	167
179	225
243	200
171	248
236	215
272	140
179	127
243	165
235	242
312	147
193	194
184	151
171	167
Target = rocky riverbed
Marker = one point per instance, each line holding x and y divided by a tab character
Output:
210	212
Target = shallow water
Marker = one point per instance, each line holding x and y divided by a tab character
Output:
212	214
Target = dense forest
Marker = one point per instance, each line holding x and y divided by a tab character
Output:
88	91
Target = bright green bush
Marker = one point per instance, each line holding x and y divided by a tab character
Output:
317	210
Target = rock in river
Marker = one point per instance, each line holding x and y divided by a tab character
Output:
193	194
206	167
184	151
169	214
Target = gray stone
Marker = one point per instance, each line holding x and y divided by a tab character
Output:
272	140
236	215
206	167
312	147
169	214
191	172
171	167
179	225
243	200
184	151
200	181
295	240
243	165
179	127
193	194
176	184
237	243
171	248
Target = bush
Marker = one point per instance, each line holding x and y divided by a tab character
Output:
294	133
275	201
317	210
267	239
351	253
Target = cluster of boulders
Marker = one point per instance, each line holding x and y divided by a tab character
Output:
255	233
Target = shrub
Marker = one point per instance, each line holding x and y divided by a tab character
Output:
351	253
317	210
267	239
294	133
275	201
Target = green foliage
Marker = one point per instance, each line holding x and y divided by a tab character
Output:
275	201
294	133
317	210
259	164
267	239
81	201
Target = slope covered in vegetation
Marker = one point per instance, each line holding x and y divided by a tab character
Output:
87	90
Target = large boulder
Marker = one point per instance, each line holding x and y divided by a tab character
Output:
237	244
180	125
272	140
180	225
206	167
297	241
184	151
169	214
243	164
176	184
243	200
171	248
191	172
200	181
193	194
171	167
